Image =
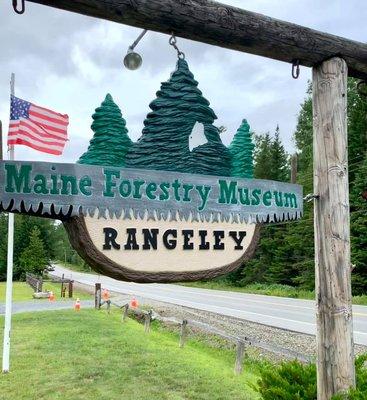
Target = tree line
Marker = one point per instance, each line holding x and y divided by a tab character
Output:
37	241
285	254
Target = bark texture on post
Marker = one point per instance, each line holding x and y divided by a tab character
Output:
239	357
183	333
335	364
97	296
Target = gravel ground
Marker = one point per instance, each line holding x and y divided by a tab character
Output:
272	343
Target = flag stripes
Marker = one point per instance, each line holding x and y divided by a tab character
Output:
37	127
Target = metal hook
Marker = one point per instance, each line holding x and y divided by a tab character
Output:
295	69
360	85
15	6
172	41
311	196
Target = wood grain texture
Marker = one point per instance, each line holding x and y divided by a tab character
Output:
183	333
225	26
335	364
83	244
239	357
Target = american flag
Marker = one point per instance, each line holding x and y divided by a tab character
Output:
37	127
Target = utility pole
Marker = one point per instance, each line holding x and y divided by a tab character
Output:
335	363
9	270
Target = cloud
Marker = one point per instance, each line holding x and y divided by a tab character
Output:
68	62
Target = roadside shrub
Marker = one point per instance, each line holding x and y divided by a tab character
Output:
295	381
289	381
360	392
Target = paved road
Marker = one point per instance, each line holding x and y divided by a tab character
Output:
292	314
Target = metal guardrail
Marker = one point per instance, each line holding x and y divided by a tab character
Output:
34	281
240	341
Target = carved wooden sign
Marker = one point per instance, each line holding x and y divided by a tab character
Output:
146	225
175	205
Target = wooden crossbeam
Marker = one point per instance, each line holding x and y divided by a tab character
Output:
226	26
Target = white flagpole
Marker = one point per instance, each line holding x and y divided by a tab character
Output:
9	273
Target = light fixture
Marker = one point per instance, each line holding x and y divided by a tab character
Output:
133	60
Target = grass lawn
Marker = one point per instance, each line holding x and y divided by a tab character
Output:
269	290
23	292
91	355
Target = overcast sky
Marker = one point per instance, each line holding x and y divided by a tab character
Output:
68	62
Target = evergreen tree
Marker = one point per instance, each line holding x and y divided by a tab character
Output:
304	133
283	252
358	209
279	159
286	251
357	128
263	162
164	144
241	150
33	258
110	142
271	160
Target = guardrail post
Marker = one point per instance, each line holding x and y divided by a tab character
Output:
239	357
97	296
125	312
183	333
71	289
148	319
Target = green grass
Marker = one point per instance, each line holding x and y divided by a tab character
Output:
23	292
269	290
91	355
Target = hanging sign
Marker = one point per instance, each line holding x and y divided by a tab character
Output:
150	226
72	190
175	205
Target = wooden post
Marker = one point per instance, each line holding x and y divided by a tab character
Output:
239	357
62	287
97	296
148	319
294	168
125	312
71	289
335	362
183	333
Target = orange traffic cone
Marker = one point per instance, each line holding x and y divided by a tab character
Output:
134	303
105	295
51	297
77	305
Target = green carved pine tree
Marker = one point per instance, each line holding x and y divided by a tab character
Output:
241	150
164	144
110	142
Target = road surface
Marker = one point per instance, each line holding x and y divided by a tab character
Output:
291	314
